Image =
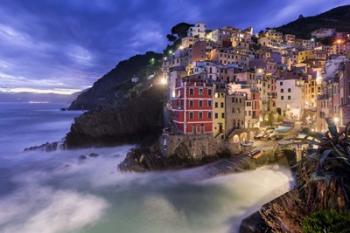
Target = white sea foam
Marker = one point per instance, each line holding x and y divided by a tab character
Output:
34	209
59	193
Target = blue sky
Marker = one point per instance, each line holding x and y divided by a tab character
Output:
65	45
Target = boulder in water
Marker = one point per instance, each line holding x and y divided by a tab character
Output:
93	155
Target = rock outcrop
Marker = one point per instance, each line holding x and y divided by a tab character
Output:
140	120
148	158
47	147
287	212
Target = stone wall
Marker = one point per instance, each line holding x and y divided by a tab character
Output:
196	147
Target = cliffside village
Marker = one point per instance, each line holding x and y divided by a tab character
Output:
229	83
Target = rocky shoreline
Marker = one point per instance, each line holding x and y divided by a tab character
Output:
287	212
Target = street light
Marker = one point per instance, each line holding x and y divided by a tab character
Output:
163	81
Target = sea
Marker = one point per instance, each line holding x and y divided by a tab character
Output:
56	192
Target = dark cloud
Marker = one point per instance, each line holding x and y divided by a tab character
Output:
69	44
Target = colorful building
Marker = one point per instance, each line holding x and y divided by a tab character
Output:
192	107
290	99
219	113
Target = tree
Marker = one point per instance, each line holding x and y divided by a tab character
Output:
171	37
180	29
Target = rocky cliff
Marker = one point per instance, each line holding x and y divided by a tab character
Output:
139	120
287	212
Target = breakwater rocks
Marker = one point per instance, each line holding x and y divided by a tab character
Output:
47	147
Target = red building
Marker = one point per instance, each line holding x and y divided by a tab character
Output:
192	108
199	51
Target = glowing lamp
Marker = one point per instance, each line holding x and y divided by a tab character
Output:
260	71
339	41
336	120
163	81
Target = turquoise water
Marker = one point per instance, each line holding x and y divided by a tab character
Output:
57	193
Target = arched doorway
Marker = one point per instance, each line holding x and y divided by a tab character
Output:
244	137
235	138
251	135
279	111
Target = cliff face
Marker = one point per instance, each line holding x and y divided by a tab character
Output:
139	120
287	212
121	110
338	18
114	88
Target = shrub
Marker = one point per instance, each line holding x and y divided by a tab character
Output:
327	221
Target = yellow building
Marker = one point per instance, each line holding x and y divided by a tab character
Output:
310	92
304	55
219	114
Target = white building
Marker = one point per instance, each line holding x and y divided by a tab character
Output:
290	97
198	30
210	68
323	32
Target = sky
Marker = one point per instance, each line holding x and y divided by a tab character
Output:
63	46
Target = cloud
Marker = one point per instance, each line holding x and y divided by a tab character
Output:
75	42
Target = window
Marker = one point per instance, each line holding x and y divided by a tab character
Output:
209	115
282	97
222	115
200	115
191	92
216	104
222	104
191	103
209	103
209	92
289	90
200	103
216	116
281	83
200	91
191	115
282	90
289	97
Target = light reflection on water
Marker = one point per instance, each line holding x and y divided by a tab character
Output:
56	192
